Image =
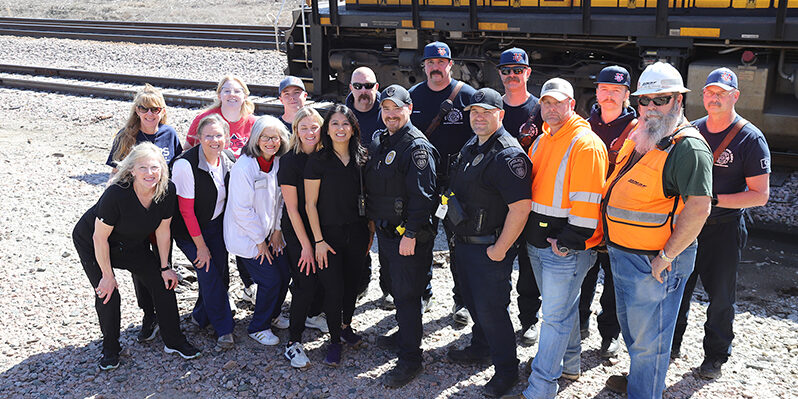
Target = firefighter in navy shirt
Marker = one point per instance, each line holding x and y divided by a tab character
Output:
740	179
364	100
486	207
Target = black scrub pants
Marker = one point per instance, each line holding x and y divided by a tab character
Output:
719	250
145	266
305	289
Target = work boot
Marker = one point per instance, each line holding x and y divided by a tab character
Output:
617	383
710	369
401	374
499	385
468	355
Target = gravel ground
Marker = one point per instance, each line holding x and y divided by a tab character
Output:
51	338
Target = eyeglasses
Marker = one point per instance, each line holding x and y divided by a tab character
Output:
144	110
268	138
719	95
368	86
515	70
658	101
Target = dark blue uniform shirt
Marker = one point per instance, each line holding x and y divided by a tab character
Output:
514	117
164	138
369	122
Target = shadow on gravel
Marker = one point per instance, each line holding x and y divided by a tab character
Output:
687	386
96	179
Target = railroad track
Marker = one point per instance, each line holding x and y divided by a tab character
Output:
209	35
94	84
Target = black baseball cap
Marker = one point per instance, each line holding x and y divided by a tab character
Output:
486	98
614	75
437	50
397	94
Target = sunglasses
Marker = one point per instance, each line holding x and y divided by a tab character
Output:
144	110
658	101
359	86
514	70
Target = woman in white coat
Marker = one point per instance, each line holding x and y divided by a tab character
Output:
252	222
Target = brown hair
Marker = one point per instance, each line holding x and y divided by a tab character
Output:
126	138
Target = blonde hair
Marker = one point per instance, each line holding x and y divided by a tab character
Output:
247	108
126	138
304	112
263	123
124	177
214	119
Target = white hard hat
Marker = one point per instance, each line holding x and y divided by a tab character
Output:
660	77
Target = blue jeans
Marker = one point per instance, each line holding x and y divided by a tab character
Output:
272	280
647	313
559	348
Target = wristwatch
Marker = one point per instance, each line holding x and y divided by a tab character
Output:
165	268
409	234
665	257
714	200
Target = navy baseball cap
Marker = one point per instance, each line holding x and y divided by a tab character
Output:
486	98
397	94
437	50
291	81
723	78
513	56
614	75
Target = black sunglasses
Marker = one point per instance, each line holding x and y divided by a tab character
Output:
359	86
144	109
658	101
514	70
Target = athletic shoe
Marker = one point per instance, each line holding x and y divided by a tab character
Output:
318	322
149	328
109	362
250	293
350	338
224	343
296	354
185	350
609	348
265	337
530	335
281	322
460	315
333	357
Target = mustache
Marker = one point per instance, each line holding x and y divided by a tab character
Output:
364	97
436	72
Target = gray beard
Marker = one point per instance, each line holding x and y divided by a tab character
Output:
656	126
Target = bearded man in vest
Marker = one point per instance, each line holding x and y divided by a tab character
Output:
655	204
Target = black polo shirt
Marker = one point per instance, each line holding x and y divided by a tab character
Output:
339	189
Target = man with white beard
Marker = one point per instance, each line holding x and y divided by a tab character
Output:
655	204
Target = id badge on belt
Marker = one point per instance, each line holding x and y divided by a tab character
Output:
443	207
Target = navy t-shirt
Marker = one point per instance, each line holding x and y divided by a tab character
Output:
746	156
369	122
164	138
455	127
515	116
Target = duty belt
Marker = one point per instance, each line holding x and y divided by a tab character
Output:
488	239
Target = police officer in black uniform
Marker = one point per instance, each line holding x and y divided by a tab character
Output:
486	206
400	199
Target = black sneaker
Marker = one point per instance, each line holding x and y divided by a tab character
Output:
468	355
185	350
350	338
710	369
499	385
609	348
149	328
401	374
109	362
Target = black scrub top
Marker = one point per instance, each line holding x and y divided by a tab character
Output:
291	173
339	188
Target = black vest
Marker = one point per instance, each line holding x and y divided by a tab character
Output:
484	208
386	169
204	190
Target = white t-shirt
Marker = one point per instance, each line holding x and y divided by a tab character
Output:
183	177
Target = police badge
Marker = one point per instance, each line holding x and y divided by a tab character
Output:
390	157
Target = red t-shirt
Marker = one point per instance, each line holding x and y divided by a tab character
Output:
239	131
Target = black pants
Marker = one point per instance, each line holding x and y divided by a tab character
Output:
409	278
143	297
341	277
527	288
719	250
456	296
145	266
306	293
607	319
365	274
385	277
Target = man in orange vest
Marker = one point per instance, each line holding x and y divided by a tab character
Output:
654	206
740	179
569	165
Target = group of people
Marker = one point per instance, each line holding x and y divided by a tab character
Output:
644	195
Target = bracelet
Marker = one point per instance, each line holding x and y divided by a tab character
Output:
665	257
165	268
319	241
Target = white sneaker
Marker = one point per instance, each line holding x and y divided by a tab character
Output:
250	293
265	337
281	322
233	307
318	322
296	354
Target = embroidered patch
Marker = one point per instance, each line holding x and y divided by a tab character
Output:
765	163
619	77
518	167
479	96
454	117
725	158
390	91
477	159
390	157
420	158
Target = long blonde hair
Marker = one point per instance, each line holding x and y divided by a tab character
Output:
126	138
124	177
304	112
247	108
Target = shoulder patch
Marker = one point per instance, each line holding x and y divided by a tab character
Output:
518	167
421	158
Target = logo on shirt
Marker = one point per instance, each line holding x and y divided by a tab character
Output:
236	143
765	163
637	183
518	167
477	159
454	117
165	153
390	157
725	158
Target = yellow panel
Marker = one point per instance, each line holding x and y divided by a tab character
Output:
790	4
428	24
653	3
364	2
492	26
500	3
700	32
712	3
325	20
439	2
606	3
529	3
751	3
555	3
406	23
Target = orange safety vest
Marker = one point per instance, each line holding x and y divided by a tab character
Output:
568	171
636	213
